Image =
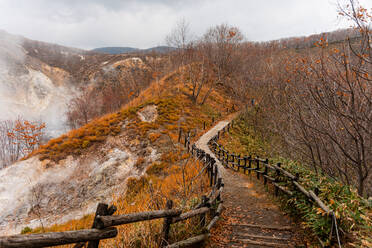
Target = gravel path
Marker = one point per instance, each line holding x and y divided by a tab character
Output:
250	218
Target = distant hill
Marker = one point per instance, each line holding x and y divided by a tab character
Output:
119	50
115	50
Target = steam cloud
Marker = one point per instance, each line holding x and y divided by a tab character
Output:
26	92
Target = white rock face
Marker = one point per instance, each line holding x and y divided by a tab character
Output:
34	97
28	92
66	191
148	113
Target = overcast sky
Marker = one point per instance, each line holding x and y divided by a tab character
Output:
145	23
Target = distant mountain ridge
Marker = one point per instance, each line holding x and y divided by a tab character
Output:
120	50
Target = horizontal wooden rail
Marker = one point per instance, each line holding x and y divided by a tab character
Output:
319	202
189	242
302	189
57	238
190	214
115	220
288	192
212	223
271	179
286	173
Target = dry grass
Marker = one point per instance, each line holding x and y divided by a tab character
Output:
171	177
178	182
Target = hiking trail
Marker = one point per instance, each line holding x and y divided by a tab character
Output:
250	218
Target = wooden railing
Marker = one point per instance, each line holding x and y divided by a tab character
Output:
104	223
261	167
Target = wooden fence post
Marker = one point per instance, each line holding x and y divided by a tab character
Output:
233	159
277	172
102	210
249	164
215	174
227	158
238	160
202	216
258	167
245	165
211	175
166	226
266	170
179	135
219	182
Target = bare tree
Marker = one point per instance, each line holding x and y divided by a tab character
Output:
220	46
10	150
324	103
82	108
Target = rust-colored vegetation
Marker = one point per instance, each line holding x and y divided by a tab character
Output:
172	176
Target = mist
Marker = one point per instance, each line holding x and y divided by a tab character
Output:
26	92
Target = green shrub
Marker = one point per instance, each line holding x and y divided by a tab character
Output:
26	230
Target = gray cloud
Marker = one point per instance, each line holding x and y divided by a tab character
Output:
144	23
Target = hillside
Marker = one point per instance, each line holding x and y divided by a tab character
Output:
38	79
94	163
115	50
120	50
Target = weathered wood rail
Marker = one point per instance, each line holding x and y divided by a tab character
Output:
261	167
104	223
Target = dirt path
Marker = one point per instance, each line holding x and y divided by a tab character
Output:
250	218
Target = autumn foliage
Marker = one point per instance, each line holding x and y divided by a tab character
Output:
27	135
18	139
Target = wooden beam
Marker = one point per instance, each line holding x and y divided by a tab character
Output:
319	202
283	189
269	178
281	228
212	223
57	238
166	226
189	242
261	243
302	189
286	173
115	220
215	195
219	209
190	214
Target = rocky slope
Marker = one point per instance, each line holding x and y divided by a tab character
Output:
38	79
42	193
